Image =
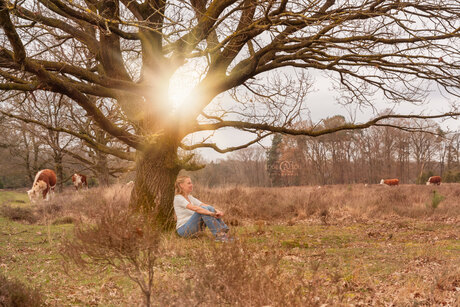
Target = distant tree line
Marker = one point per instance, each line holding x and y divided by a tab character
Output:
247	167
345	157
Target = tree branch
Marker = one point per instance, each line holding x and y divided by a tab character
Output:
312	131
69	90
10	31
220	150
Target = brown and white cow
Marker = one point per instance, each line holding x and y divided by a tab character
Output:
434	180
44	184
390	182
79	181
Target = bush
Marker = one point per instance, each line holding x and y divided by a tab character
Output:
18	214
236	274
14	293
119	239
451	176
48	208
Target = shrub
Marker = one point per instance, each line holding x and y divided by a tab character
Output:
119	239
236	274
18	214
46	208
14	293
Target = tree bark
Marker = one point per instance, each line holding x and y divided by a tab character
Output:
156	172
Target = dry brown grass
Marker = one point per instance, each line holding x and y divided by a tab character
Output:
84	205
287	205
333	204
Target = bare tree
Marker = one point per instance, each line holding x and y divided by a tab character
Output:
51	110
251	166
422	145
403	151
135	50
27	152
100	163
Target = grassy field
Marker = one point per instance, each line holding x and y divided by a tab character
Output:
344	253
14	198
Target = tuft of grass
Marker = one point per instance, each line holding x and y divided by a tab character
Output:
448	279
51	208
294	244
84	205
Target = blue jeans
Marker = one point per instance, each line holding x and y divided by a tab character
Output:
197	222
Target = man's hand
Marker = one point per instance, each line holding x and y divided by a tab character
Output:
219	214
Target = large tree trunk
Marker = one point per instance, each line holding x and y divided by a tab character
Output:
156	172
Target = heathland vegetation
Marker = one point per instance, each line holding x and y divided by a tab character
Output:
301	246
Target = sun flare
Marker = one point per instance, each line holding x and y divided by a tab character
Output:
181	87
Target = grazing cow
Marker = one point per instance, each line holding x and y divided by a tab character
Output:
44	184
79	181
434	180
390	182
